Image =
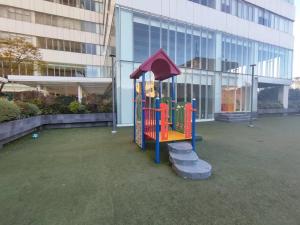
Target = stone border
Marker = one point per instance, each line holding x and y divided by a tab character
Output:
13	130
278	111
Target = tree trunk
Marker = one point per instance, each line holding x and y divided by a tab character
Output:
1	87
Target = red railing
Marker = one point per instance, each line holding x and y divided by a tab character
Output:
164	121
188	120
150	122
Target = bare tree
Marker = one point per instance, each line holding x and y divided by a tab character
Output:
13	52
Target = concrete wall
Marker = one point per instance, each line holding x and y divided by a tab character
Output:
13	130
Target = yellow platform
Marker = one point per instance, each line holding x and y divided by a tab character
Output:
174	136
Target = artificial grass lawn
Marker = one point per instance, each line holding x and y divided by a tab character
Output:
88	176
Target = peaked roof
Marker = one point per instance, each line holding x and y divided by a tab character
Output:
160	64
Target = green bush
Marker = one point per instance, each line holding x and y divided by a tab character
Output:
28	109
8	110
270	105
76	107
98	103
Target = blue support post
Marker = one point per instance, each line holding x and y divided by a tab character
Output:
157	126
143	111
134	110
159	90
194	124
173	103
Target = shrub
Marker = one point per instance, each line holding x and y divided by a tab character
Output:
270	105
62	102
98	103
76	107
28	109
8	110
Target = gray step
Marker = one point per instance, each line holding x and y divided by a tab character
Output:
184	159
180	147
198	171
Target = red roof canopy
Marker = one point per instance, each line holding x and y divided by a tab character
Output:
160	64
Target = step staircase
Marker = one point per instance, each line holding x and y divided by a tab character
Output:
234	117
186	162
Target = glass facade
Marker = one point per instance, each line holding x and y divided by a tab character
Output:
51	69
253	13
15	13
51	20
68	23
239	53
195	47
93	5
187	46
215	65
69	46
236	92
209	3
71	70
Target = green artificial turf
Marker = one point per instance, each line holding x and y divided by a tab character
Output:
90	177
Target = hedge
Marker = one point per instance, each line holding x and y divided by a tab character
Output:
8	110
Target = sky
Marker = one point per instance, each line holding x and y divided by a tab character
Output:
297	40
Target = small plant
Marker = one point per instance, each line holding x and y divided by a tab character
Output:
76	107
8	110
28	109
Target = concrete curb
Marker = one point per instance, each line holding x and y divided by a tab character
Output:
13	130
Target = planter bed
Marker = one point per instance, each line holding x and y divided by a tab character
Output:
13	130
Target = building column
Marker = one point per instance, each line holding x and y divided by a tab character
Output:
283	96
79	94
218	92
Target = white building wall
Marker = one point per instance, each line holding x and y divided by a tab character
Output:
39	30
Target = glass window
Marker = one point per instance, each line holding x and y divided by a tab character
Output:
233	60
204	50
234	7
203	94
141	41
172	41
77	48
49	43
155	36
240	9
180	92
180	46
225	6
188	48
60	45
211	51
245	11
55	44
164	36
210	99
41	42
261	16
239	59
196	49
227	54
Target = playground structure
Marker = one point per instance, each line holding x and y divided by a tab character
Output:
166	120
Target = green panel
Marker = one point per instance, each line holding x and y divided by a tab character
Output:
179	117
